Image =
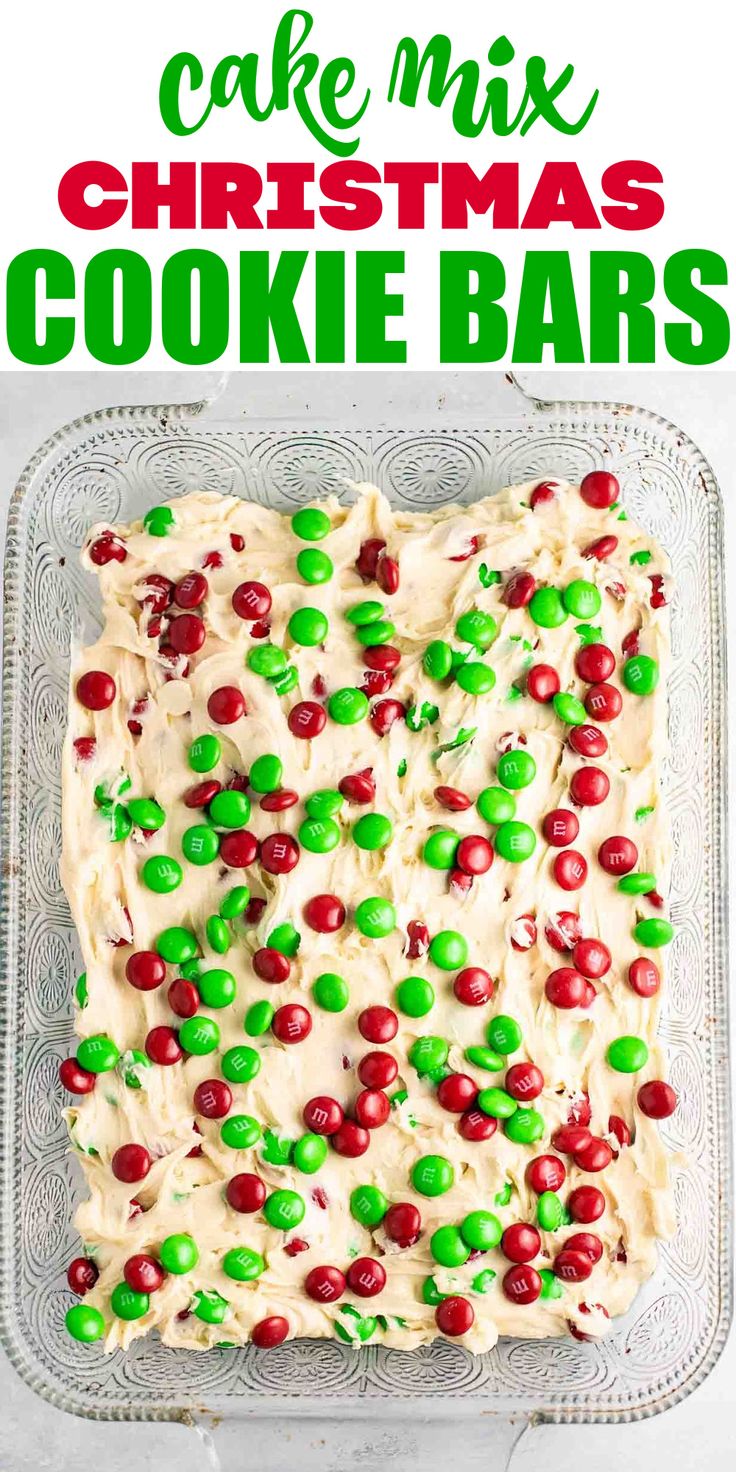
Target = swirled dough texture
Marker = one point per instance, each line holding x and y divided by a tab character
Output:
185	1191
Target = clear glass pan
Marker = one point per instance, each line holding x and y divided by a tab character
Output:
115	464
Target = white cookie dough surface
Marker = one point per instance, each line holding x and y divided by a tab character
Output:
185	1192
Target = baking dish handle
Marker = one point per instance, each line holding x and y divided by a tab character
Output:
409	1439
225	398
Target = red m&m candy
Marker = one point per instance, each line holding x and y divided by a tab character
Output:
366	1277
454	1316
473	986
522	1284
643	977
560	827
594	663
542	683
324	1284
618	855
570	869
657	1099
603	702
96	690
599	489
324	913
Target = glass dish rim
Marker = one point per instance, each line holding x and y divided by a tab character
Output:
205	412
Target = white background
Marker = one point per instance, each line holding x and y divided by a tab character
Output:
80	81
696	1435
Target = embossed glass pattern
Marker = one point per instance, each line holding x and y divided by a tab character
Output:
114	466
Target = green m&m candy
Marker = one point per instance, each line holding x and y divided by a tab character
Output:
373	831
217	988
432	1175
495	805
209	1306
515	842
285	680
428	1053
266	773
481	1230
524	1127
549	1211
475	678
146	813
431	1293
381	632
653	933
641	674
368	1205
551	1285
319	835
504	1034
419	716
627	1054
637	883
266	660
486	1059
448	1248
347	706
240	1132
476	628
284	1209
177	945
84	1323
130	1066
440	849
199	1035
437	660
81	992
369	611
308	627
314	566
325	803
415	996
162	874
581	599
546	608
310	1153
569	709
497	1103
355	1326
159	521
204	753
483	1281
191	970
178	1253
127	1304
230	809
234	902
448	950
199	845
218	935
258	1019
310	523
375	917
119	821
516	769
330	992
285	938
98	1053
240	1064
243	1264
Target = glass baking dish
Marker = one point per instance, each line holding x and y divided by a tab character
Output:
112	466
